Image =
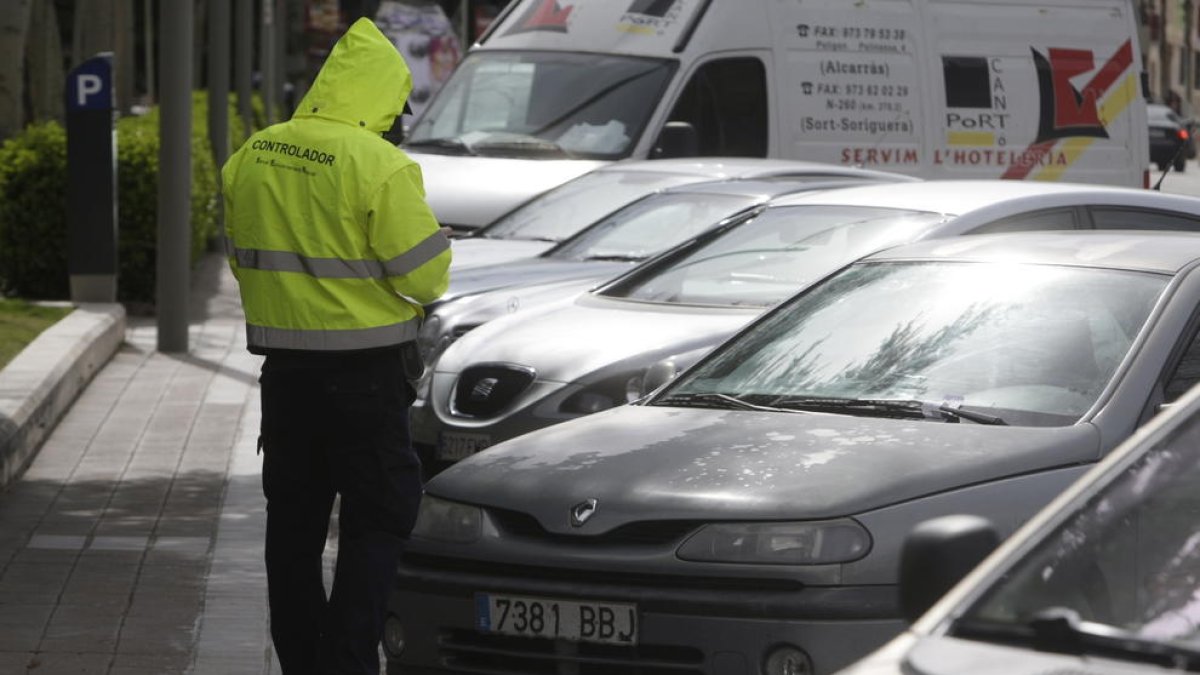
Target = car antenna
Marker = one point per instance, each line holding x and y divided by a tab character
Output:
1190	126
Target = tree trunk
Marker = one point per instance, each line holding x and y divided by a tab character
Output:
107	26
14	27
45	57
200	43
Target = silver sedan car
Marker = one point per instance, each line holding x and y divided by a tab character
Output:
555	215
609	346
645	227
746	519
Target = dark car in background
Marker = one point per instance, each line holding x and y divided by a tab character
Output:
1169	131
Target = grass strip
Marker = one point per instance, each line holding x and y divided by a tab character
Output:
21	322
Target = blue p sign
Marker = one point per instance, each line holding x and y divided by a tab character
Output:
89	85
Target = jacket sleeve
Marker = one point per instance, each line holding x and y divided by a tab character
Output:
406	237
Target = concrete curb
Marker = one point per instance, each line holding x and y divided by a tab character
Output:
39	385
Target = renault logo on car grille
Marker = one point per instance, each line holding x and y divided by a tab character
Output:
582	511
483	389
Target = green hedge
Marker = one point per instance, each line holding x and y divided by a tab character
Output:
33	178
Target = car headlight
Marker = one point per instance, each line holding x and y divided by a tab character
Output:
444	520
798	543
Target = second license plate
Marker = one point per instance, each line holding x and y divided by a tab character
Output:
453	446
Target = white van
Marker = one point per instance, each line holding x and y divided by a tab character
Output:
1043	90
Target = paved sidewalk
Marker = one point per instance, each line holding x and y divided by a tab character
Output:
132	544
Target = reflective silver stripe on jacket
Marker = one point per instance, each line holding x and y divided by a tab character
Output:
332	340
338	268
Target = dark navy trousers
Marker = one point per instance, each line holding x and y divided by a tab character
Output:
335	424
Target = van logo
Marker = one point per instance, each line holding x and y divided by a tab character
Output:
546	15
483	389
581	512
1067	111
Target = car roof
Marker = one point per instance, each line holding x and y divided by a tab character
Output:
744	167
1154	251
956	197
765	187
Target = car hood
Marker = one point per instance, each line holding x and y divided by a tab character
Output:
665	463
472	252
566	343
470	192
528	272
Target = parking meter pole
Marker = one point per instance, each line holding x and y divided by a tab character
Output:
91	182
175	175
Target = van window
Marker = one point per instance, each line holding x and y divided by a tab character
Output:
726	102
543	103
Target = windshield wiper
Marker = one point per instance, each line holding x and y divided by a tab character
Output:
1060	630
530	145
887	408
718	400
616	257
443	144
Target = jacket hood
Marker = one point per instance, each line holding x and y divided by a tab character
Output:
705	465
364	82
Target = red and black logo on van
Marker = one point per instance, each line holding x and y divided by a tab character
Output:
1065	109
547	15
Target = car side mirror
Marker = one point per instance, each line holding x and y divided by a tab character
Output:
937	554
678	139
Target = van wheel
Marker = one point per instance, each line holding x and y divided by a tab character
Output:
1180	164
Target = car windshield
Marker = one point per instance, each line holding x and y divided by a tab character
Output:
543	103
650	225
1124	565
774	255
1027	344
578	203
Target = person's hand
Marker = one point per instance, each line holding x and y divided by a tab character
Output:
446	232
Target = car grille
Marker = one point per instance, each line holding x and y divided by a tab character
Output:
464	651
486	389
645	533
459	568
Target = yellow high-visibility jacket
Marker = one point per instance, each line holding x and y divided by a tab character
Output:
326	225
